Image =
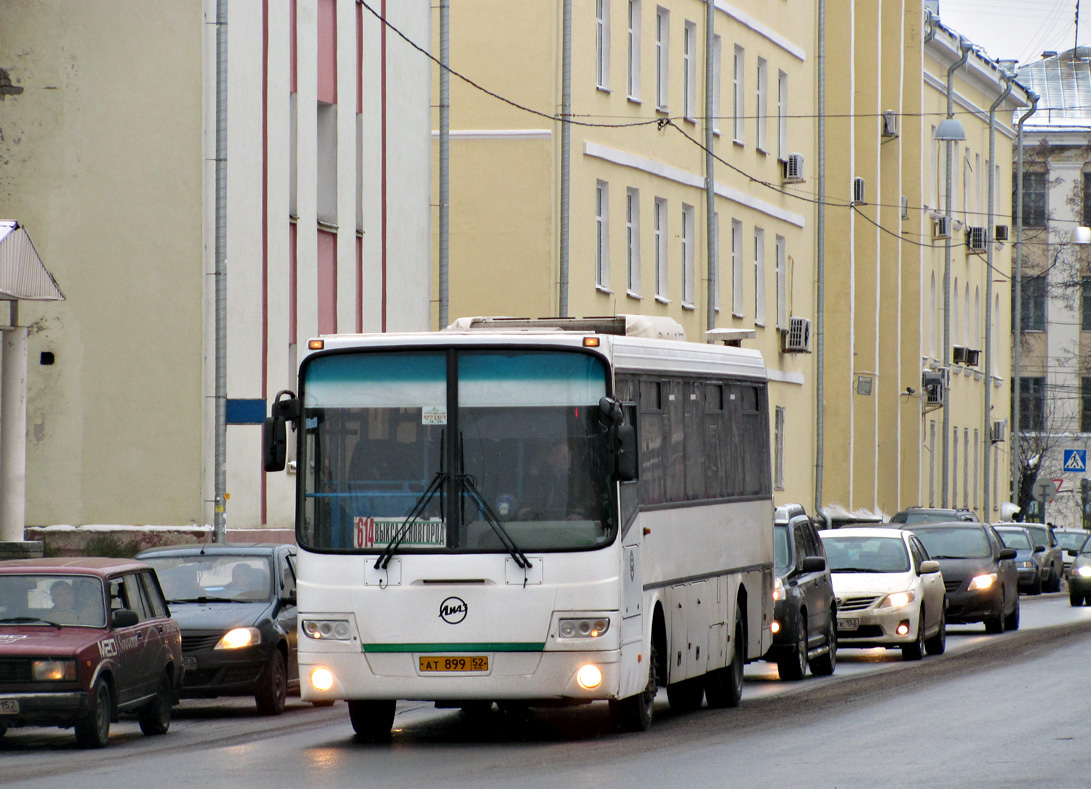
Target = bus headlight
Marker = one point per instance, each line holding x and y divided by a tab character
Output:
589	677
336	629
583	628
239	637
321	678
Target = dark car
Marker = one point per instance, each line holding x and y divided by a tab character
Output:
1052	558
978	573
1028	556
805	615
236	605
1079	582
82	640
933	515
1070	540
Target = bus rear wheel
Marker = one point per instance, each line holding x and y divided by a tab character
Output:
372	720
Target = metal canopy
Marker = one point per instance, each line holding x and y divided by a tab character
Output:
22	273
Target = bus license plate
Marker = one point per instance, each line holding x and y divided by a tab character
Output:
9	706
848	624
451	663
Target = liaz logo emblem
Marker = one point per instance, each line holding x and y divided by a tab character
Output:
453	610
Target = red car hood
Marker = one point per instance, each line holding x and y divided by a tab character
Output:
45	640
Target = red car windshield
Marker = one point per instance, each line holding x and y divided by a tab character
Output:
48	599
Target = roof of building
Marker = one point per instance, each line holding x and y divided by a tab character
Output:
1063	83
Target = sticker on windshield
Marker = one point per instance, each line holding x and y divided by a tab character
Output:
433	415
372	531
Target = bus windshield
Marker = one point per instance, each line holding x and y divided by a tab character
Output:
455	451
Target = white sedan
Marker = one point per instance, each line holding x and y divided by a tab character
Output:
889	593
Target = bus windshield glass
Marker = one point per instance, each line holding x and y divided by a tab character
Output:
511	446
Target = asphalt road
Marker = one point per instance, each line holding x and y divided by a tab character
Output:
1003	709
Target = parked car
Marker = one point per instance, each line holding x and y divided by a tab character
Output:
978	573
236	605
83	640
1079	582
804	616
1029	558
1069	540
1052	559
889	592
933	515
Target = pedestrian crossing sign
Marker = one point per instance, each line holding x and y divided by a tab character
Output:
1075	460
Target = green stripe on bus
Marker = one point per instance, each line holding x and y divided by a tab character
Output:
517	646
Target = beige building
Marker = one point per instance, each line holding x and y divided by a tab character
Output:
917	381
637	217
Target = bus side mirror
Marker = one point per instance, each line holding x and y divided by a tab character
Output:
626	453
274	438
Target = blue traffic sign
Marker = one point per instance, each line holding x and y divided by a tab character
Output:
1075	460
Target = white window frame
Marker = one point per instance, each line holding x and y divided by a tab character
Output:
717	44
759	276
602	236
660	235
632	241
633	73
782	281
778	448
736	269
689	70
782	116
738	87
689	242
762	108
662	58
602	44
716	262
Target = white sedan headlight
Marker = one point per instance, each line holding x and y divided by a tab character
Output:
1084	571
897	600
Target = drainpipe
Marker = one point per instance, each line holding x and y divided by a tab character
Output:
1008	79
710	179
444	161
820	272
566	146
1017	299
219	522
965	46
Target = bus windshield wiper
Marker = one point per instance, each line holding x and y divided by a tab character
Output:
466	482
434	487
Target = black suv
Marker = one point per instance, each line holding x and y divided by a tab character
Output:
805	616
934	515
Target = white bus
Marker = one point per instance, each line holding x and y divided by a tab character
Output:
529	512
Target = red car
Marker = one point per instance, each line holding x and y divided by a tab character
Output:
82	640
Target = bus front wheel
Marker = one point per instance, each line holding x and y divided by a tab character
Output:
372	720
635	712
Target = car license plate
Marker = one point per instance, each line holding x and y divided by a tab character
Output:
848	624
454	663
189	663
9	706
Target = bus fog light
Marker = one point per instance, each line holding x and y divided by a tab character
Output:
321	678
775	627
589	677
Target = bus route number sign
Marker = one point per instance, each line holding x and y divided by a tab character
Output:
454	663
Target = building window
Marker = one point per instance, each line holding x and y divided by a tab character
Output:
736	268
632	240
662	57
687	255
782	116
738	86
1034	200
1086	200
689	70
1085	323
1085	401
1034	303
1032	403
759	276
659	222
782	283
633	79
602	235
778	448
716	46
602	44
762	108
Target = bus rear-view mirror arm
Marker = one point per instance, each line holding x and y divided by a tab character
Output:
274	433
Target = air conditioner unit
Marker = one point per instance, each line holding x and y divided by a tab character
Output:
996	434
890	123
1000	233
976	239
793	169
797	337
958	354
973	355
934	387
941	227
859	194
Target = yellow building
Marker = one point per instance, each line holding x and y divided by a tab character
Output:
916	380
635	228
